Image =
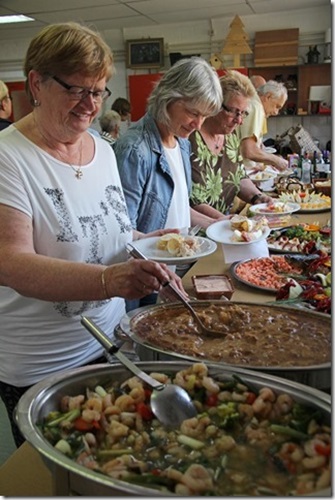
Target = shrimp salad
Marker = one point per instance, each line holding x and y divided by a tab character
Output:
243	441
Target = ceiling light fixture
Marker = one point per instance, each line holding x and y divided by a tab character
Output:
20	18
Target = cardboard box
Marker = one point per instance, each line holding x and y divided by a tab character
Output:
276	47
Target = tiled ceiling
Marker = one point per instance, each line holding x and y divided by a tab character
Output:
122	14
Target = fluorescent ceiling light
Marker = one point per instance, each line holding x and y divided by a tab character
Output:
20	18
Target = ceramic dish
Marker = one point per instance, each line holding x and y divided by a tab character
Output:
261	272
221	232
270	150
148	246
263	208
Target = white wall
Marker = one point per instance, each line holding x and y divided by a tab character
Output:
202	37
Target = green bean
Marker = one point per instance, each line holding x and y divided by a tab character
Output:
288	431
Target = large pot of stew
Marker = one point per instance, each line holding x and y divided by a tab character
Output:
254	434
288	342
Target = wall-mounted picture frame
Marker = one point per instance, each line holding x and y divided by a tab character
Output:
145	53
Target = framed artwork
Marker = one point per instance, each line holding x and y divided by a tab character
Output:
145	53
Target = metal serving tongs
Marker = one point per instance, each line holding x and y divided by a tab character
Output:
137	254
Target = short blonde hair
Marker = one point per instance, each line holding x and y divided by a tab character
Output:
66	49
4	92
233	82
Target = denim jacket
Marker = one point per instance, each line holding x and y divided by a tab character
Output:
145	174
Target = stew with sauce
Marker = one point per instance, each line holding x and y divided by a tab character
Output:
252	334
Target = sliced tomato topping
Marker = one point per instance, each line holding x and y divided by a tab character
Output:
145	411
212	400
323	449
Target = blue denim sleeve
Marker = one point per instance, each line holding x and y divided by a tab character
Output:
132	170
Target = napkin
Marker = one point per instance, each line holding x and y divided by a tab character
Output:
234	253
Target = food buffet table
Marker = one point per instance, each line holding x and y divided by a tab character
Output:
25	474
215	264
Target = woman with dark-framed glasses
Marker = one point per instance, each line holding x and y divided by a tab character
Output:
218	175
64	223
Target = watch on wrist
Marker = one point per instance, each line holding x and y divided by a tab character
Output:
255	198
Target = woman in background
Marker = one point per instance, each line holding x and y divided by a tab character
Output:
123	107
218	174
110	124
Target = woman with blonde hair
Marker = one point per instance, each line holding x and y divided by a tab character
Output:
218	173
64	223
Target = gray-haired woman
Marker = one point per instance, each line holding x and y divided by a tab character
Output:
110	124
154	154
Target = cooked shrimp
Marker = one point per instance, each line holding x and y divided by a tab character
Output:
310	446
197	479
225	443
195	427
69	403
132	383
314	462
210	386
86	459
284	403
263	403
324	480
118	468
116	429
173	474
138	394
92	410
125	403
141	441
160	377
246	410
292	452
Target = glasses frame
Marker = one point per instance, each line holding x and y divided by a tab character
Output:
97	95
237	113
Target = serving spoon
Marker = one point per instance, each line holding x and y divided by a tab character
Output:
169	403
135	252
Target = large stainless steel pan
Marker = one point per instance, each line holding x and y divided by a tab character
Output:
69	478
318	376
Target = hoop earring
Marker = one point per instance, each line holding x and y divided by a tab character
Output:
36	103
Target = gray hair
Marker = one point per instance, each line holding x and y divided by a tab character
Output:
274	88
109	120
235	83
192	80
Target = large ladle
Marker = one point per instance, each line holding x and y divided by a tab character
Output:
136	253
169	403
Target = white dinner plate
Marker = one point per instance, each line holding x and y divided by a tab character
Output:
148	246
221	232
263	176
270	150
261	209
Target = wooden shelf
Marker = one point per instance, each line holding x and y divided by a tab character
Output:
306	75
